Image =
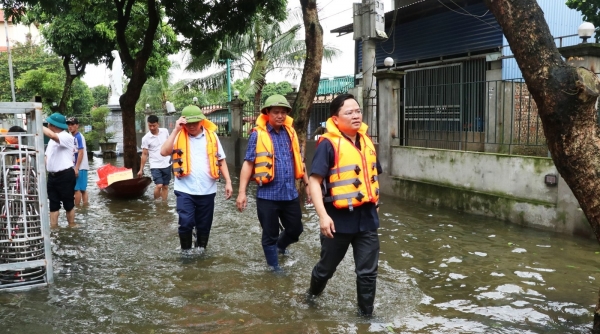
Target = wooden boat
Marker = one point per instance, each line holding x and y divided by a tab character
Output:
131	188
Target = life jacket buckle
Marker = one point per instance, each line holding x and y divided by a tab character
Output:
359	196
177	151
373	179
269	165
357	170
356	183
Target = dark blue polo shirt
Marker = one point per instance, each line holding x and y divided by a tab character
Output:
362	218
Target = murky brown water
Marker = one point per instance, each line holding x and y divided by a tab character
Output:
120	271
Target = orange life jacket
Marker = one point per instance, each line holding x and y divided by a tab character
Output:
353	178
182	161
264	163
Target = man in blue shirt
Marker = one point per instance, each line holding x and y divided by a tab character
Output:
274	161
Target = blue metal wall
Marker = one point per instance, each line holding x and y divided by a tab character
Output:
444	34
562	21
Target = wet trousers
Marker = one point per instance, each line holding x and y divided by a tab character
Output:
270	213
195	211
365	248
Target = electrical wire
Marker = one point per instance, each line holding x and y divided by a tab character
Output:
345	10
392	29
469	14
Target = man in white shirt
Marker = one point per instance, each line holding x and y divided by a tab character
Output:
198	162
160	166
59	164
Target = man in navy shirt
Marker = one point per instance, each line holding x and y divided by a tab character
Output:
274	161
345	192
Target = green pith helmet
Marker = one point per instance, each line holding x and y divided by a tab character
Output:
275	101
192	114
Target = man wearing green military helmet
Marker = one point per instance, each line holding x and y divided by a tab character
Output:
198	162
274	161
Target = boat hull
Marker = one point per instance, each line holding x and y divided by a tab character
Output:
131	188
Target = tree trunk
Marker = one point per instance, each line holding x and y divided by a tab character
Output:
137	65
312	69
566	99
62	106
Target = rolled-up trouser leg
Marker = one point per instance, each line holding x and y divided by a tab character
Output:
365	247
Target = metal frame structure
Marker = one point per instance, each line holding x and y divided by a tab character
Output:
25	245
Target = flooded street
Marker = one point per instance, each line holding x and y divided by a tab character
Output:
120	271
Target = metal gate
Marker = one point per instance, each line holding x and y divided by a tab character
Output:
440	108
25	251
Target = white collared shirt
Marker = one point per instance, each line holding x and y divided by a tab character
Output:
199	182
59	156
153	143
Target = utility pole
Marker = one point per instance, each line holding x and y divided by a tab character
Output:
369	27
10	67
228	63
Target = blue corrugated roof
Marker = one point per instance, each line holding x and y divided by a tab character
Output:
444	34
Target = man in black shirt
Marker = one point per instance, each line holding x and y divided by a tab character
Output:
345	191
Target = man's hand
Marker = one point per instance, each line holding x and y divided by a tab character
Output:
308	198
228	190
180	123
76	172
241	202
327	226
140	172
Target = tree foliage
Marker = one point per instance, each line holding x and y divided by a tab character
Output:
264	48
100	94
590	9
138	25
272	88
81	100
26	57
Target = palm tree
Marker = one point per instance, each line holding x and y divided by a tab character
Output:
266	47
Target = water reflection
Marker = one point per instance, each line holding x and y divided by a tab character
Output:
120	271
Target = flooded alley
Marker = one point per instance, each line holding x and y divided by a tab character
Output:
120	271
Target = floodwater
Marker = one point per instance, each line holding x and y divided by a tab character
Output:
120	271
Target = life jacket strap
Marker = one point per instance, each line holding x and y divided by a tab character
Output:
355	182
265	164
348	168
260	177
349	196
264	154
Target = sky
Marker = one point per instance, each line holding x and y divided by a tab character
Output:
332	14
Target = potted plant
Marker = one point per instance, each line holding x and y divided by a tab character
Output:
100	124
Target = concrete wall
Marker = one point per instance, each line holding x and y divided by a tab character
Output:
507	187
